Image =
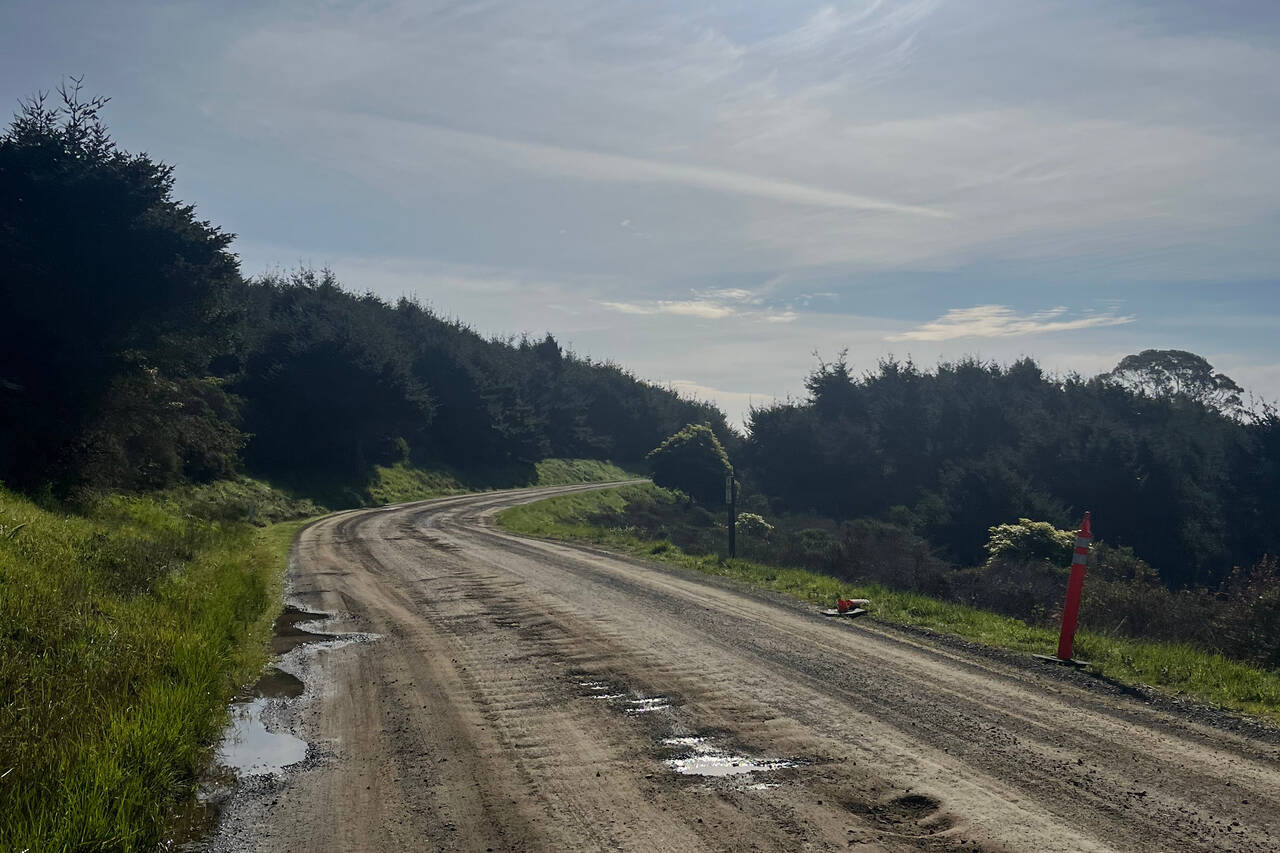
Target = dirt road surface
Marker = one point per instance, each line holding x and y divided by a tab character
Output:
526	695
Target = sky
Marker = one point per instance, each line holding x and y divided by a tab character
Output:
718	195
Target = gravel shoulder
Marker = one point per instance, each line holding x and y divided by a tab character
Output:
517	694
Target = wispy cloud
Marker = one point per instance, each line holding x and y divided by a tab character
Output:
589	165
1001	321
712	304
731	402
688	187
703	308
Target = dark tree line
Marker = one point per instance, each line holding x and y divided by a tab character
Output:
1172	468
333	382
134	355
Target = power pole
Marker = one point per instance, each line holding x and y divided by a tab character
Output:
731	498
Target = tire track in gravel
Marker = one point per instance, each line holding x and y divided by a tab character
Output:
476	720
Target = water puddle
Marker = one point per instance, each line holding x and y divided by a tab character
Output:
686	755
629	703
647	704
287	633
249	749
698	756
278	684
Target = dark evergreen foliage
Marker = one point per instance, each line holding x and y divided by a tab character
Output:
334	382
694	462
115	300
1167	470
133	355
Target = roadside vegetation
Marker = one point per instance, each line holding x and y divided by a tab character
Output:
1162	449
654	523
406	482
126	627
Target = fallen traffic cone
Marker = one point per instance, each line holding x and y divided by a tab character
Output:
852	607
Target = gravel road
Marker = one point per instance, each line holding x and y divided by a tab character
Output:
527	695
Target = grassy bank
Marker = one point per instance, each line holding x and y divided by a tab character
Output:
1179	669
406	482
125	631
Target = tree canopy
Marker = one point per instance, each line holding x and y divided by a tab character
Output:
116	300
133	354
1172	373
1164	464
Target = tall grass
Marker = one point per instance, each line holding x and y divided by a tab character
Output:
1170	668
240	499
123	632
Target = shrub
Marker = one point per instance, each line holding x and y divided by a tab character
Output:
693	461
885	553
1248	624
811	547
754	525
1028	589
1029	540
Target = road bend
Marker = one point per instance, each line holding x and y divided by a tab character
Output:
529	695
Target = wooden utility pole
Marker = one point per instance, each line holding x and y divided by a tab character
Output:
731	500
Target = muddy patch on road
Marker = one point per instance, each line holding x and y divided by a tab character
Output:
678	746
701	756
248	747
287	633
622	699
255	748
910	815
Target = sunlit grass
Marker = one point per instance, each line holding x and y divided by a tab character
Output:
124	634
406	482
1174	669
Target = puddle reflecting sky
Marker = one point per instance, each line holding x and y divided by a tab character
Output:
706	759
250	750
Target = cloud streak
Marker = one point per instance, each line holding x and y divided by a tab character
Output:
713	304
588	165
703	308
1001	321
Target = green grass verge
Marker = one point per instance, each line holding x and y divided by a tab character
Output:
1174	669
406	482
239	499
125	632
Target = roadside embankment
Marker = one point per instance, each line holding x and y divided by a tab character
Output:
1171	669
407	482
